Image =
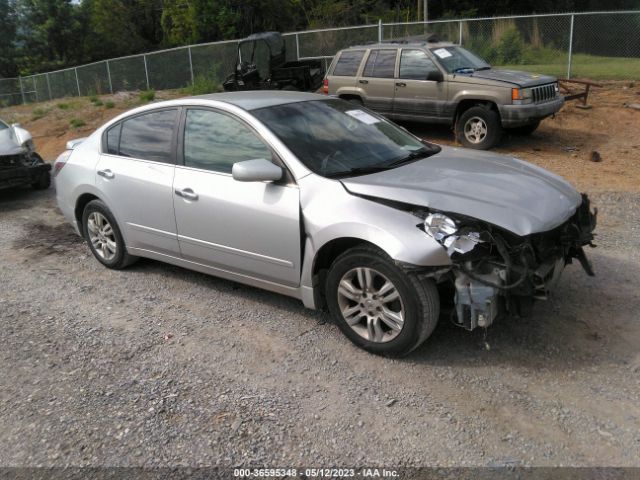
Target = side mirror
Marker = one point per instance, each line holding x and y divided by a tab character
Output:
435	76
259	170
15	125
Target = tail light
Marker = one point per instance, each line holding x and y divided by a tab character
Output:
60	162
325	86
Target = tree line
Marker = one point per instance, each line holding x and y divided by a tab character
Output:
43	35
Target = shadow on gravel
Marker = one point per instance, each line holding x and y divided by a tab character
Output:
589	321
21	198
42	239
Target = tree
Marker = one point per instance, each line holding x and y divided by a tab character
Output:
8	67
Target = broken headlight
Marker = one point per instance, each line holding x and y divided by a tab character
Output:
445	231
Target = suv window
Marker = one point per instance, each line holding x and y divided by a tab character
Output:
149	136
381	64
415	65
215	141
348	63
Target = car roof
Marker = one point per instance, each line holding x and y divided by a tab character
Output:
252	100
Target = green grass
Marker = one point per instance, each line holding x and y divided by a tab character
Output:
147	96
38	113
64	106
77	123
109	104
202	84
587	66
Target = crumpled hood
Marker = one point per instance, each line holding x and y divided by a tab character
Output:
8	143
497	189
515	77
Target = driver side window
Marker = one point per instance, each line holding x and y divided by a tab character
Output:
215	141
415	65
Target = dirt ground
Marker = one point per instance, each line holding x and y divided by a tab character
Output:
160	366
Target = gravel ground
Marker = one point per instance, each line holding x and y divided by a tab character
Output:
160	366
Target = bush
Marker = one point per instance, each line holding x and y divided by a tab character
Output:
202	85
64	106
38	113
147	95
77	123
109	104
94	99
510	47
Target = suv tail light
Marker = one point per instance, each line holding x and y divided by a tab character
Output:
60	162
325	86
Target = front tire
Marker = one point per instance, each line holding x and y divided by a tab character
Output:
103	236
377	305
478	127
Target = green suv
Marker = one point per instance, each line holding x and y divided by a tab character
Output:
440	82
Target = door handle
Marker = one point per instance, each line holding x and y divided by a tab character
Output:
187	194
401	84
106	173
363	81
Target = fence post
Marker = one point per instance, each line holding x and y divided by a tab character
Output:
379	30
297	48
146	70
77	81
24	102
109	77
48	86
460	37
190	64
570	47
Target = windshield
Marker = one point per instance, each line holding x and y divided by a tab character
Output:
335	138
457	59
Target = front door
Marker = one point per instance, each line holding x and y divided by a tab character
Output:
249	228
135	175
417	98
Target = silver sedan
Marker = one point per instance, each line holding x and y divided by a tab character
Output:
322	200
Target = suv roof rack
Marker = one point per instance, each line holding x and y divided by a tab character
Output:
425	38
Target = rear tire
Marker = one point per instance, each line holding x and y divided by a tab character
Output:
103	236
479	128
370	318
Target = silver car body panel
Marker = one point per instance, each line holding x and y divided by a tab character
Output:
269	235
10	144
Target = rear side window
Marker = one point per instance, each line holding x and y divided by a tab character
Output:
348	63
381	64
415	65
149	136
113	140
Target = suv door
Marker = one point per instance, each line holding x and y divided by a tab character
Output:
250	228
417	98
342	76
135	175
377	81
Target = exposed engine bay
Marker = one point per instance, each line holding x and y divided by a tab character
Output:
496	271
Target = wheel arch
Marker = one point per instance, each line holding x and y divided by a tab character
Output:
466	103
78	210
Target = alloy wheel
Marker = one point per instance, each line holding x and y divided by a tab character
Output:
102	236
475	130
371	304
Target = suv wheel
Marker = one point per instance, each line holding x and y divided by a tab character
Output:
377	305
479	128
104	237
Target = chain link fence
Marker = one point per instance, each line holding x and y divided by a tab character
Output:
601	45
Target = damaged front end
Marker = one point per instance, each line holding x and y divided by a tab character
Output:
495	270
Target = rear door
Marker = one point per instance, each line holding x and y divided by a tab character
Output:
377	80
342	79
417	98
135	175
248	228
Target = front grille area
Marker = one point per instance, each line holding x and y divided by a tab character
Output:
544	93
12	161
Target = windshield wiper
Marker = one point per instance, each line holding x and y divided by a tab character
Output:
462	69
483	68
358	171
415	155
